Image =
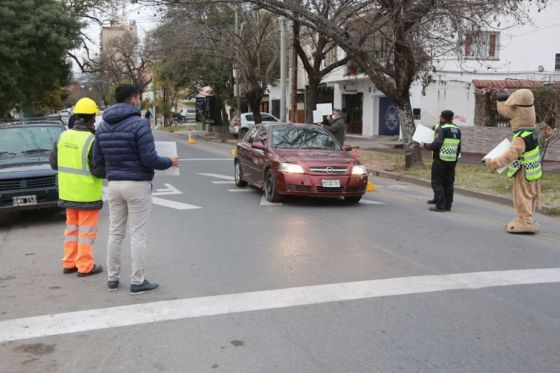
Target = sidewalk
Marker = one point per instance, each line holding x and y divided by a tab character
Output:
391	144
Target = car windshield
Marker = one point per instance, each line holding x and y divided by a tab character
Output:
264	117
303	138
30	140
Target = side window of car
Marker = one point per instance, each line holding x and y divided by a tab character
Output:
262	136
250	137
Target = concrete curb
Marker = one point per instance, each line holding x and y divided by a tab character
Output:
546	210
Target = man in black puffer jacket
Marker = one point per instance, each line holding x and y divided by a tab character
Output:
125	146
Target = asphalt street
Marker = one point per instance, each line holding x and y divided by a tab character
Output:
308	285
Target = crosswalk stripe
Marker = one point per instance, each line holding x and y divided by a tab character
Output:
265	202
217	176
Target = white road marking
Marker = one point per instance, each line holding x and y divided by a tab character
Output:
217	176
265	202
169	190
370	202
223	182
206	159
144	313
239	190
397	186
173	204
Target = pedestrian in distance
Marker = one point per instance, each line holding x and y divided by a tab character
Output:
125	146
336	125
445	151
148	116
79	189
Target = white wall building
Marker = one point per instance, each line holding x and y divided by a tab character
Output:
524	52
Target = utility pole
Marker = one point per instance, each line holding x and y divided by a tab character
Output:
283	70
293	110
237	80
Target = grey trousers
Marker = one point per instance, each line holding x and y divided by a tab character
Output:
129	201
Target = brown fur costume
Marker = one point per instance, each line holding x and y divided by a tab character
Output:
526	194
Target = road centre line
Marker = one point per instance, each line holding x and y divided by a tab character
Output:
179	309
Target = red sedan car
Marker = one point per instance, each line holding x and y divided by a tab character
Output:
299	160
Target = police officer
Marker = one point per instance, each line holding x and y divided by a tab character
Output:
445	149
79	189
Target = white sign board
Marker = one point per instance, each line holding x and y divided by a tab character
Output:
317	117
499	150
167	149
324	109
423	134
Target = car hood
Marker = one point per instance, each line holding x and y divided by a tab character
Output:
25	166
315	156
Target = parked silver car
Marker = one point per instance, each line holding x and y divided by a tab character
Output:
239	127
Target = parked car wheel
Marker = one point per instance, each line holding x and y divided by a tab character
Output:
239	176
270	187
353	199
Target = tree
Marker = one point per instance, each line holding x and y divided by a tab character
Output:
34	39
208	30
394	42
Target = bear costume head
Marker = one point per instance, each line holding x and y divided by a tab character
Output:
519	107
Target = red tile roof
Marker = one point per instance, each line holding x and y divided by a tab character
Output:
509	83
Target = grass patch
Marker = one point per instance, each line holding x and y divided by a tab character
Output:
469	176
184	127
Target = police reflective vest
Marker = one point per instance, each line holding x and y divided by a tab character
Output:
75	181
450	146
531	159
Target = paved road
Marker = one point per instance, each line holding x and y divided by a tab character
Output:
304	286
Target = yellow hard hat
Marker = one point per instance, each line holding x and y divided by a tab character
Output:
86	106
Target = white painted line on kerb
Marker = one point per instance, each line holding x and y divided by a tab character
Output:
144	313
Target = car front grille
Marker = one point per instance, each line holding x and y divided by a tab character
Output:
321	189
299	188
28	183
354	189
329	170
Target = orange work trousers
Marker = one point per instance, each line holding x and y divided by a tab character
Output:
80	233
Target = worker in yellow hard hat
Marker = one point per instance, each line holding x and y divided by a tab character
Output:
79	189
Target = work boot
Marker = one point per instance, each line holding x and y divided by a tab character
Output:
436	209
95	270
67	271
142	288
431	202
113	285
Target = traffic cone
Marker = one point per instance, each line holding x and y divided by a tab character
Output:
191	138
371	187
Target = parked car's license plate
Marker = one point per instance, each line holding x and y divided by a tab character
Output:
331	183
25	200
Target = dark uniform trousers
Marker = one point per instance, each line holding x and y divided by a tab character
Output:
443	177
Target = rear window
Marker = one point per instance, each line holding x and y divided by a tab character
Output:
303	138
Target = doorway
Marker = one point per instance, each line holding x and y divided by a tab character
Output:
353	107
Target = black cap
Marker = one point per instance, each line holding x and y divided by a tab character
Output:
447	115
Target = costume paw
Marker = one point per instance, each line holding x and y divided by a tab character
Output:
490	164
516	226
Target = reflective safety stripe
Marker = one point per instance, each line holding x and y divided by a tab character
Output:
86	240
448	151
71	239
88	229
74	171
71	228
531	160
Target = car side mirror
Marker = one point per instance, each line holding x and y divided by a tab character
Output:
258	145
347	148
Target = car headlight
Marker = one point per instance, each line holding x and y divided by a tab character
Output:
290	168
359	170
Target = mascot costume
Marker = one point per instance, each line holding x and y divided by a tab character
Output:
523	158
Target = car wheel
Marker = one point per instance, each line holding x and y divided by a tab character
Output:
242	132
270	187
238	176
353	199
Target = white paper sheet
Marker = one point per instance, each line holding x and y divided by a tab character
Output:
423	134
317	117
500	149
167	149
324	109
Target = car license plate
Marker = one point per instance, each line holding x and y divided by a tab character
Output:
331	183
25	200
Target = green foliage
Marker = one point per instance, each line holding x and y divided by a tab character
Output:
547	104
34	38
